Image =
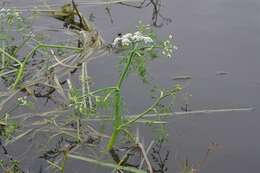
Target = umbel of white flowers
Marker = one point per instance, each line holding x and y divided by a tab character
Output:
10	15
127	39
8	12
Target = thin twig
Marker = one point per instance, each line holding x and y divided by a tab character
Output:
197	112
149	166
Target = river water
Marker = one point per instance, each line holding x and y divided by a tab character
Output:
213	37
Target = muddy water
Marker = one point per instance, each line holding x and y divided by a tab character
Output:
213	36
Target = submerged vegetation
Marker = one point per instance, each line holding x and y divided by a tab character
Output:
34	68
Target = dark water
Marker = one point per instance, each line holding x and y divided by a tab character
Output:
212	36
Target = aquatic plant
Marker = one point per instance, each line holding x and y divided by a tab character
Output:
137	46
35	68
12	166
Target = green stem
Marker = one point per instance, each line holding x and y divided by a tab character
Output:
162	96
117	119
3	55
21	70
65	157
158	100
107	165
78	130
102	89
118	102
123	75
10	56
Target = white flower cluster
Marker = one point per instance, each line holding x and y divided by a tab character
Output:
168	47
10	15
8	12
3	10
22	101
127	39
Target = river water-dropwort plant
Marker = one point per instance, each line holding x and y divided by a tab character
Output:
139	47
